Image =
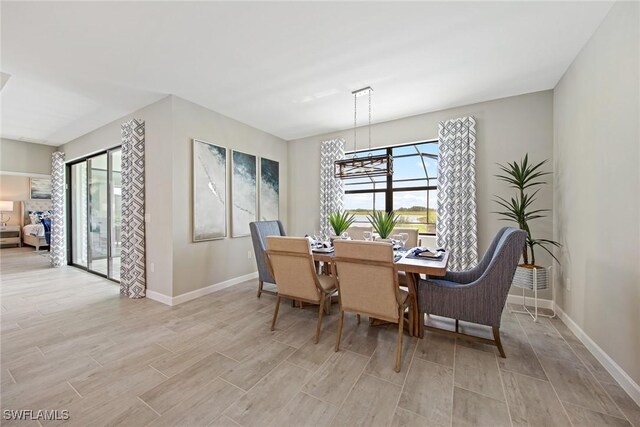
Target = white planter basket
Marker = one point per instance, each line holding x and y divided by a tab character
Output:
531	278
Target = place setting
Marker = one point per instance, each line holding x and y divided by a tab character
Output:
426	253
320	243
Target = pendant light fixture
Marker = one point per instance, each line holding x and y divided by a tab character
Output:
356	167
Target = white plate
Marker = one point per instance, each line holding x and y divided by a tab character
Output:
323	250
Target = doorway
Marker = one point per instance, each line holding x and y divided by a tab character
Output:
95	204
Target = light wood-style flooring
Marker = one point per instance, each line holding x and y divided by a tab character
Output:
70	342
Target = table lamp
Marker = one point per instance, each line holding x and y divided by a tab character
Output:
5	206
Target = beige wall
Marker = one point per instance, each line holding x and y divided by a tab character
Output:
158	176
25	157
597	187
18	161
506	129
15	188
180	265
196	265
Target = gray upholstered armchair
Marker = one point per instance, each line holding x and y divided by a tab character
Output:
259	232
477	295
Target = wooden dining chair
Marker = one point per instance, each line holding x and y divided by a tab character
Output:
291	263
413	233
367	280
357	232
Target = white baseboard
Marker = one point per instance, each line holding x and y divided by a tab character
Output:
199	292
542	303
626	382
213	288
156	296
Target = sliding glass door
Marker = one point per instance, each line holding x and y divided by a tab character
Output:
98	214
78	214
95	205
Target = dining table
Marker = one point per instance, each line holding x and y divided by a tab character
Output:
413	268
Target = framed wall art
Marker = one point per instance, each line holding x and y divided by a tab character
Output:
209	191
269	189
244	198
40	188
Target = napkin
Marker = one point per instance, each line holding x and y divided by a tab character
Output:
428	252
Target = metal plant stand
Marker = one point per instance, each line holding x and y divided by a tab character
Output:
529	280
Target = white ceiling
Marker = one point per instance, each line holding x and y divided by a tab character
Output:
286	68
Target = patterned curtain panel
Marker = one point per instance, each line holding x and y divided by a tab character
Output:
132	256
457	224
331	188
57	245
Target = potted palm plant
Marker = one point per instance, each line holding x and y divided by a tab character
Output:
383	223
340	221
526	179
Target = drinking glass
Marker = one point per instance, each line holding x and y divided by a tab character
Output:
396	239
404	237
368	235
344	236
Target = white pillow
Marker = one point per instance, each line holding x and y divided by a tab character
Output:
35	218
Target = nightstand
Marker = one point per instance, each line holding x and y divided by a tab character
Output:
10	235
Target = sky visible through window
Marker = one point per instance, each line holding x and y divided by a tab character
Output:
414	190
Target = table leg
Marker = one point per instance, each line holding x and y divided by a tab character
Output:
412	281
326	269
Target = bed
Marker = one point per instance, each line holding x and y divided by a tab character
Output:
28	229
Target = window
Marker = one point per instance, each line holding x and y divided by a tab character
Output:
411	192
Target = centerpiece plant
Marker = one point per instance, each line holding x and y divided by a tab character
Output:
383	222
525	178
341	221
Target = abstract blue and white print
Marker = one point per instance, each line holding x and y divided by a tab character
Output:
243	193
40	188
209	191
269	190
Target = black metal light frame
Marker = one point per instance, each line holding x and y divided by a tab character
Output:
356	167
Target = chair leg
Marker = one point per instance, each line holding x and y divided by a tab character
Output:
320	314
275	313
327	304
411	320
399	349
456	325
358	317
340	321
496	337
260	284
